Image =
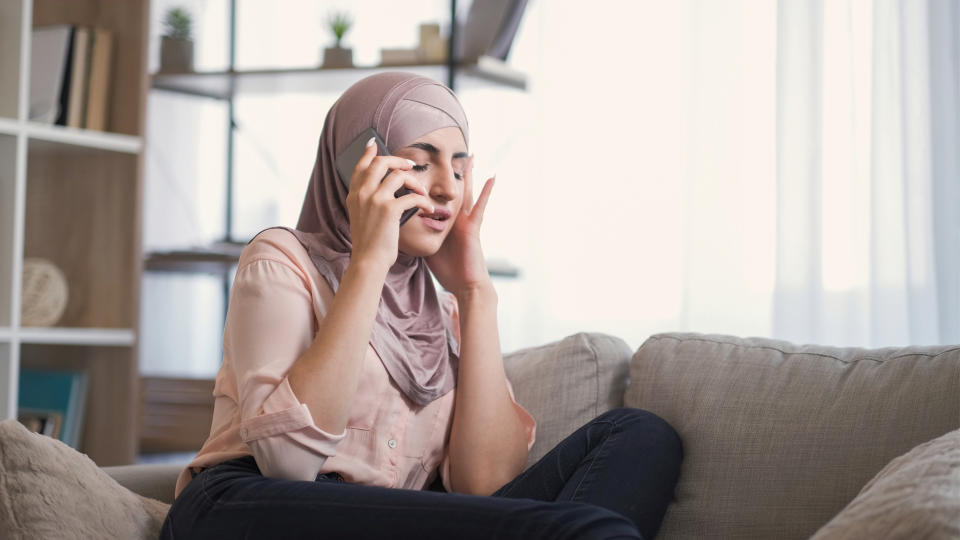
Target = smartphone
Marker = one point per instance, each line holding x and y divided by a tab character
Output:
348	159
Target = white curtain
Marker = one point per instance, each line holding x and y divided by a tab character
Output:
859	234
944	29
741	166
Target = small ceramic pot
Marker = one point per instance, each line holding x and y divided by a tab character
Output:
337	57
176	55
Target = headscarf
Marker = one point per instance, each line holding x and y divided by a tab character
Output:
411	335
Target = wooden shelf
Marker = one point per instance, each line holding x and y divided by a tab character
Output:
220	257
217	258
9	126
502	268
122	337
227	84
85	138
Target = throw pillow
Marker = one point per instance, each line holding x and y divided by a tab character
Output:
50	490
566	383
917	495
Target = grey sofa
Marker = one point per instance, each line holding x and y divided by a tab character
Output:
778	437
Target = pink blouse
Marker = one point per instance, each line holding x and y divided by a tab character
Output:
277	299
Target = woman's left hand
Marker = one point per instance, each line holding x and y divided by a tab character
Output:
459	264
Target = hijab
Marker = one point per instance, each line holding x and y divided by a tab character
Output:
411	335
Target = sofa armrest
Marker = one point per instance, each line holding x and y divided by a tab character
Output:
156	481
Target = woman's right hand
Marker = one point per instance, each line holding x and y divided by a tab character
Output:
374	211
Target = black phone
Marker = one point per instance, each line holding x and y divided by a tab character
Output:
348	159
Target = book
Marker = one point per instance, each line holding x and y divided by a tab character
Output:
98	94
78	77
50	46
58	392
64	95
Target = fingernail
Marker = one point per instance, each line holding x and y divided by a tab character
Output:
411	162
370	142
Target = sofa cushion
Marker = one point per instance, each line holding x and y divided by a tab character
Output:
49	490
779	437
565	384
917	495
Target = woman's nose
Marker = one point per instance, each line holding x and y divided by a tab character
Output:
443	183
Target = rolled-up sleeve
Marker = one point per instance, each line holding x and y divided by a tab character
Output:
529	424
269	325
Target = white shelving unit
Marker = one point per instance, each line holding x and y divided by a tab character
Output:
73	197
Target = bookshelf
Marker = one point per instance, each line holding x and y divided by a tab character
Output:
73	196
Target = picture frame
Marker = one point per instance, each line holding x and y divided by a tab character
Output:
43	421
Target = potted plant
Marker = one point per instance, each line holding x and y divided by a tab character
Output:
176	46
338	56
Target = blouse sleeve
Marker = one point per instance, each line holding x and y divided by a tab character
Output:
269	325
529	423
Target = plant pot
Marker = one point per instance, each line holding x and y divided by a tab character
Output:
176	55
337	57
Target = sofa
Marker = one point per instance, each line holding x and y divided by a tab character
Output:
780	440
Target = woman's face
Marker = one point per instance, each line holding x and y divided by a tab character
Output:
440	157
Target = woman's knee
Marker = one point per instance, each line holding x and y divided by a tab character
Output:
648	425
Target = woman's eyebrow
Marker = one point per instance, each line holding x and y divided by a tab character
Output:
433	149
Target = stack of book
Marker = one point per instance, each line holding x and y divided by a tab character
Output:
70	75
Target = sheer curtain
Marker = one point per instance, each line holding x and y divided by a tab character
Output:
865	255
745	167
654	202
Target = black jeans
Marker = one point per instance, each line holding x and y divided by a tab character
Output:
612	478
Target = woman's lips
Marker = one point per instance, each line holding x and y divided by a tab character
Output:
434	224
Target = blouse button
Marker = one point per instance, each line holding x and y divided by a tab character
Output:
392	443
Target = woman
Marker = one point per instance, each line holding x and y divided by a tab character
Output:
343	409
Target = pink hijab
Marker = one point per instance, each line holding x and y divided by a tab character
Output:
410	334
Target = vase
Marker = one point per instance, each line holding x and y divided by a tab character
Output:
176	55
337	57
45	293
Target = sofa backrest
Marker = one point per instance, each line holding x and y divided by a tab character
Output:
779	437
